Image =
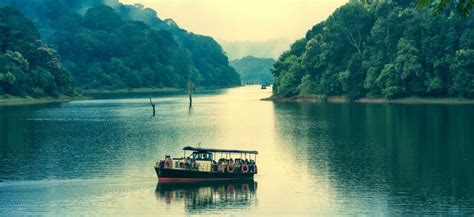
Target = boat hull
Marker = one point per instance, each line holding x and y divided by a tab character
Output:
178	175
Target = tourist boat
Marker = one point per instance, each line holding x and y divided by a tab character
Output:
207	164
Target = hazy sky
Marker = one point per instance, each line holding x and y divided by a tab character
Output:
244	20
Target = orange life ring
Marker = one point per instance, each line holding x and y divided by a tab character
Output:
168	163
245	168
230	168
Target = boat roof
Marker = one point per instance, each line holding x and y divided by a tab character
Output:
199	149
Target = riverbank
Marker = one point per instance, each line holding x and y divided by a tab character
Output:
132	90
342	99
15	100
84	95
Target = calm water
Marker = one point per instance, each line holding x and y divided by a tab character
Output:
96	157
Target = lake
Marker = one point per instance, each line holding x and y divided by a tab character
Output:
96	157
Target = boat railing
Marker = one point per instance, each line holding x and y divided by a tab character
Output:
183	164
192	166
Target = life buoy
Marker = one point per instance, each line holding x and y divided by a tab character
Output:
230	168
245	168
168	163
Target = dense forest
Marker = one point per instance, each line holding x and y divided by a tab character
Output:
27	65
106	44
254	70
381	48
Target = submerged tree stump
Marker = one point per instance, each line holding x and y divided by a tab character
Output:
153	106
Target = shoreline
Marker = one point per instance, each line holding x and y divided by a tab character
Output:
15	100
368	100
132	90
84	95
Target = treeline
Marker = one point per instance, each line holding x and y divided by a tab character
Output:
106	44
27	65
254	70
381	48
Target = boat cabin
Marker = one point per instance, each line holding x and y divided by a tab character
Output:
212	161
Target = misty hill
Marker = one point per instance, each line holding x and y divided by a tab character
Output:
384	48
106	44
254	70
27	65
266	49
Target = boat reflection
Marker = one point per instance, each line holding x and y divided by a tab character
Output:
208	195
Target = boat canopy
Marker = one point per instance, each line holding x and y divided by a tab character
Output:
205	150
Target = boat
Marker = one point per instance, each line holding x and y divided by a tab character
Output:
207	164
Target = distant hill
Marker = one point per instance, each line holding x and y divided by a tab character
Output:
269	48
254	70
107	44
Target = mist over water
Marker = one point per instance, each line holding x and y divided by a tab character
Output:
97	156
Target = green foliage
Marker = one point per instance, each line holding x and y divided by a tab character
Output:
306	86
27	66
389	82
106	44
254	70
380	48
462	7
463	69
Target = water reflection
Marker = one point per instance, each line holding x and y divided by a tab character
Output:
208	195
392	158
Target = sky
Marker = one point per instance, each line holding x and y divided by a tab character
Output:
244	20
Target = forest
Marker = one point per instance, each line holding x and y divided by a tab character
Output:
105	44
254	70
28	67
388	49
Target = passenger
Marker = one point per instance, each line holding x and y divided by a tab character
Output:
187	163
162	163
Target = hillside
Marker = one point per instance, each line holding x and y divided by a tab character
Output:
254	70
386	48
28	67
106	44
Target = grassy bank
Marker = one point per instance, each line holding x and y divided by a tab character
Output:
342	99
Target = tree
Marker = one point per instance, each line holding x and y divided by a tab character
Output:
353	22
462	7
463	73
28	66
409	68
390	83
380	48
